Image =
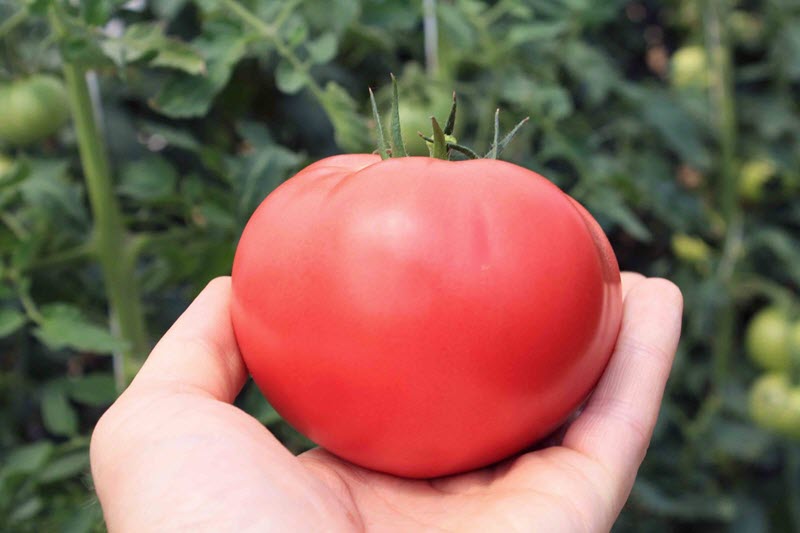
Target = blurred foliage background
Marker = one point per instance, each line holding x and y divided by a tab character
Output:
675	122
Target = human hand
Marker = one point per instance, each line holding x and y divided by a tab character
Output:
173	454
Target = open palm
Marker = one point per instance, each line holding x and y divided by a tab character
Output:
173	454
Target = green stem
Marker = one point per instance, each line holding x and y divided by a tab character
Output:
724	105
110	235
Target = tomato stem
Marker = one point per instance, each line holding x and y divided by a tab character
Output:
442	143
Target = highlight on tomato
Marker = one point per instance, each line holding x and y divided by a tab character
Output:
424	316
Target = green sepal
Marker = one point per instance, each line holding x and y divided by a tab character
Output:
398	148
383	148
439	150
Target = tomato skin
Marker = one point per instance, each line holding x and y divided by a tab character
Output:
424	317
32	109
775	404
770	339
689	67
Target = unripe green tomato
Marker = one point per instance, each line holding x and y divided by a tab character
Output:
771	339
6	164
753	178
689	67
32	109
690	249
774	404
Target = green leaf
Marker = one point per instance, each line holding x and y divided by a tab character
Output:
97	390
58	416
677	127
607	202
25	511
289	79
323	48
27	459
183	95
65	467
147	42
535	32
64	326
148	179
10	321
349	128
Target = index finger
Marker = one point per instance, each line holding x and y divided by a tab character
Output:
199	352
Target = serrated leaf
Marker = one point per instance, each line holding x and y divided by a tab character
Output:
10	321
184	95
289	79
96	390
349	128
323	48
64	326
148	179
64	467
58	416
147	42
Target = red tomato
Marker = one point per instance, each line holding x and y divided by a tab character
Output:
424	317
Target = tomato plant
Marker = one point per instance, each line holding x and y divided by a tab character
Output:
407	315
775	404
32	108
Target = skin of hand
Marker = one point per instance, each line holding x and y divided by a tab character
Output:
173	454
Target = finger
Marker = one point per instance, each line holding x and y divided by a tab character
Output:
616	426
629	281
199	352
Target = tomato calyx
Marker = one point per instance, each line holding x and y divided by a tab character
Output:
442	143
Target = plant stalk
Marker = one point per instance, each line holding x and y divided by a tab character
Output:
724	106
110	236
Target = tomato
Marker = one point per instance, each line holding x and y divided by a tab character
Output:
775	404
690	249
759	180
6	165
32	109
771	339
689	67
424	317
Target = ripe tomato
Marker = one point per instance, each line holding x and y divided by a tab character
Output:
32	109
775	404
771	338
424	317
